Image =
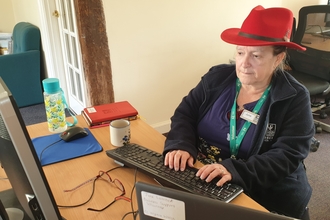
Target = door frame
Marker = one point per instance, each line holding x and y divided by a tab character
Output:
71	54
96	62
51	42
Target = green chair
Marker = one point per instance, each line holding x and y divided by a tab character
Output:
21	70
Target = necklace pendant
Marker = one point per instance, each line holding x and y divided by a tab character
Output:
233	157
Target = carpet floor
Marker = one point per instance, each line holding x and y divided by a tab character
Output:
317	165
35	114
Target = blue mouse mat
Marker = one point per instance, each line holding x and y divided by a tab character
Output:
52	149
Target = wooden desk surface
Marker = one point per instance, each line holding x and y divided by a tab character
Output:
317	42
68	174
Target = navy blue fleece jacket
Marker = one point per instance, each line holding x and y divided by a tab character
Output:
274	174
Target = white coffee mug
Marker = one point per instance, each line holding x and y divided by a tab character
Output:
120	133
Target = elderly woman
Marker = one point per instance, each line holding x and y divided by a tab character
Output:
250	124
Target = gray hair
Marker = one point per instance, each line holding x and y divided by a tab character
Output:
277	50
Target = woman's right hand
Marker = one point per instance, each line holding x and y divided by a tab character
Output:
178	159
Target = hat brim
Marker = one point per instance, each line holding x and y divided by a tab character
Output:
231	36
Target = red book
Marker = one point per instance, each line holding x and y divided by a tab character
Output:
102	115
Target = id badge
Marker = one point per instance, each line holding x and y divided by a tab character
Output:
250	116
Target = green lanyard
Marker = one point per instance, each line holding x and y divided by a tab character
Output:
235	142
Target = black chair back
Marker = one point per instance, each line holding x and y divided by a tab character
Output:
312	67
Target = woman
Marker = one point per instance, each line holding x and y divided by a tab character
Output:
251	124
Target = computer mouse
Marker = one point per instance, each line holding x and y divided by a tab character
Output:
73	133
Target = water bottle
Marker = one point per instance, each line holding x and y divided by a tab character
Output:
10	47
54	105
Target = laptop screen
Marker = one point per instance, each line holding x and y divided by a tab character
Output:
157	202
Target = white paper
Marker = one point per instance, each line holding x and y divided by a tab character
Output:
162	207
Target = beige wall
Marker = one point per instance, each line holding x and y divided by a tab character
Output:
14	11
26	11
295	5
160	48
7	20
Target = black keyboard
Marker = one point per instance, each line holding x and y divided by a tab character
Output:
151	163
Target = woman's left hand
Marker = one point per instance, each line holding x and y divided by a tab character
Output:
210	171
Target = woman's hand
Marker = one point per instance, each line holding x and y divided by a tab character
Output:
210	171
178	159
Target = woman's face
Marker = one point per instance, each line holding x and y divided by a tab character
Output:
256	64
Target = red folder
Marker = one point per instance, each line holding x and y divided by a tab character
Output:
102	115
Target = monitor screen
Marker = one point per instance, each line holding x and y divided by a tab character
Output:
21	164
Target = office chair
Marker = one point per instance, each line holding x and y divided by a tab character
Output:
312	67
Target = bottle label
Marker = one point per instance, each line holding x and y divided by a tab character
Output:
55	113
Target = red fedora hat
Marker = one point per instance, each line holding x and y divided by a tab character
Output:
271	26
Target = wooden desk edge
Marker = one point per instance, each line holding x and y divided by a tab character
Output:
155	137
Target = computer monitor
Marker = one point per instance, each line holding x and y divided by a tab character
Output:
158	202
21	164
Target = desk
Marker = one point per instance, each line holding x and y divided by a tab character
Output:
68	174
316	37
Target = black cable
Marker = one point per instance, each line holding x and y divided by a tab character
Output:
135	173
91	196
134	213
74	206
128	213
40	156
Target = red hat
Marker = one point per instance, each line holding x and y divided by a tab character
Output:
271	26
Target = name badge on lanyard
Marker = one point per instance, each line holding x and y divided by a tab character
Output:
250	116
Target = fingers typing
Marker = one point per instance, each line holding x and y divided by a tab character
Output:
209	172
